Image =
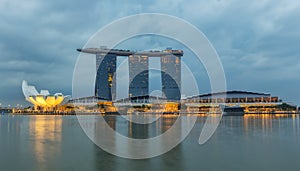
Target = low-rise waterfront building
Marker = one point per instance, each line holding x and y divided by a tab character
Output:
251	102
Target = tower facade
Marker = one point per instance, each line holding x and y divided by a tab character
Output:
106	68
171	76
138	62
138	75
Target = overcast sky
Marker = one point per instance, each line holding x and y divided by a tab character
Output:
258	41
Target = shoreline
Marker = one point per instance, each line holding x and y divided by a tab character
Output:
145	114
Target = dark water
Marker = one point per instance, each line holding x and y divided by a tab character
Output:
240	143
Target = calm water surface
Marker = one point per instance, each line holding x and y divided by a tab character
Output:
240	143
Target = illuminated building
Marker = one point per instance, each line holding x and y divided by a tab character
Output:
106	68
235	97
43	99
138	75
138	72
171	75
251	102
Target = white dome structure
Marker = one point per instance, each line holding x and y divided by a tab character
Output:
43	99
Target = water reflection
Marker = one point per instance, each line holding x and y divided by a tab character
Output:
138	130
46	135
128	139
42	129
252	142
267	122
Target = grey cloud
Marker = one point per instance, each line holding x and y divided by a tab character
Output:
258	41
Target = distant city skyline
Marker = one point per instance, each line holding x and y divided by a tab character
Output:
257	41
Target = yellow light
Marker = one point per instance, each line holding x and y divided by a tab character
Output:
40	99
33	101
50	100
58	100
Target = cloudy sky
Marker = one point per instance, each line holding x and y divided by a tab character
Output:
258	41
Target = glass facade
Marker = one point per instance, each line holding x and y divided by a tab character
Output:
138	62
171	76
106	68
138	75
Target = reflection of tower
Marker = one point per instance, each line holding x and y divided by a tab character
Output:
171	76
138	75
138	131
106	68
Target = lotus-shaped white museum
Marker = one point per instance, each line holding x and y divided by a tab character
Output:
43	99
